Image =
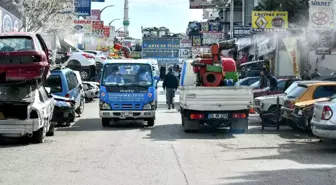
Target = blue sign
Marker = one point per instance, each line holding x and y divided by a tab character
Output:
100	1
166	60
160	53
161	43
83	7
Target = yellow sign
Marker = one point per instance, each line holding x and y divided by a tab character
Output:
269	20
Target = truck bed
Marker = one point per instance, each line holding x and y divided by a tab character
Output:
216	98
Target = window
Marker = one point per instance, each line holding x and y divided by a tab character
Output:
16	43
297	92
324	91
252	81
55	83
74	79
69	81
291	88
281	84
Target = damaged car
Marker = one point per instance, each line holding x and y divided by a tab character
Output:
25	111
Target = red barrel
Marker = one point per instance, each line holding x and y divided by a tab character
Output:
229	65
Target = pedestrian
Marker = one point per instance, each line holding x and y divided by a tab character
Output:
316	74
170	85
306	75
273	82
263	80
162	72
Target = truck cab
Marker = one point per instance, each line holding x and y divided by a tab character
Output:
128	91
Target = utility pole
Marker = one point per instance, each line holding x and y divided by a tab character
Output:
231	18
243	12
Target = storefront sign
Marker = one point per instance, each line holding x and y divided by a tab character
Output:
83	26
269	20
82	7
185	43
210	38
95	15
185	53
8	22
321	14
161	43
241	31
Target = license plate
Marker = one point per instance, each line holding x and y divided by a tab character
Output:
218	116
2	117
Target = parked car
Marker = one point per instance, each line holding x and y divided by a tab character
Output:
64	111
83	62
63	82
303	111
247	81
24	56
302	93
268	104
91	91
323	123
26	110
100	58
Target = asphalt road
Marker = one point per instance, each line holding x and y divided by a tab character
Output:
131	154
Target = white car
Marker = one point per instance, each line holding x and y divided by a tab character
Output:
26	110
83	62
100	57
323	123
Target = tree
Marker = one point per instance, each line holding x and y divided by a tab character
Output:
297	9
46	14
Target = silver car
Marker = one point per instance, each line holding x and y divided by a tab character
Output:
323	123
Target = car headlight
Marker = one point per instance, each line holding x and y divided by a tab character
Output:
149	106
104	106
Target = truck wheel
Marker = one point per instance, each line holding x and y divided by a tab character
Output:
38	136
105	122
150	122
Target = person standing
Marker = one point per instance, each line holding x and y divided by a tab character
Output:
263	80
273	82
170	85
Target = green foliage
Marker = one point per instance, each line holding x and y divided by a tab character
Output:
297	9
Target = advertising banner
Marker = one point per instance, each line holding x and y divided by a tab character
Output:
98	28
210	38
241	31
269	20
321	14
184	43
83	26
200	4
95	15
106	31
82	7
8	22
291	46
185	53
161	43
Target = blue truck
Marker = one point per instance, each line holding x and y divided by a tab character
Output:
128	91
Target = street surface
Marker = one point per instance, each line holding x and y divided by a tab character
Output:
131	154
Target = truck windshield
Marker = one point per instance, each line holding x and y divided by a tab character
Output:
16	43
127	74
17	93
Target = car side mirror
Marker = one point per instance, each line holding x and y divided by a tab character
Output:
48	89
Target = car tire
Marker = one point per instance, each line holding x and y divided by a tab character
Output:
85	75
80	109
51	131
74	65
150	122
39	135
106	122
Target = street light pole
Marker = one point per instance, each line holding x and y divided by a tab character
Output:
101	11
113	21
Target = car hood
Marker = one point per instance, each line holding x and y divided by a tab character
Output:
311	102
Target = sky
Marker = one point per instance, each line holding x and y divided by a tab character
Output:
173	14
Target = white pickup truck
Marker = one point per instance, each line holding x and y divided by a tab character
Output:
215	106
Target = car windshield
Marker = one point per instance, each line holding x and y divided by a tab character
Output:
17	93
291	87
17	43
127	74
55	83
297	92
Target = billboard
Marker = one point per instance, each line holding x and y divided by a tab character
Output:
95	15
98	28
321	14
162	49
241	31
269	20
8	22
161	43
83	26
82	7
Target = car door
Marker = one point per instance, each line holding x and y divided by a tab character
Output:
46	103
76	91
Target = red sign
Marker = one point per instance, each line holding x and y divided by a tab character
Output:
106	31
82	21
97	25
